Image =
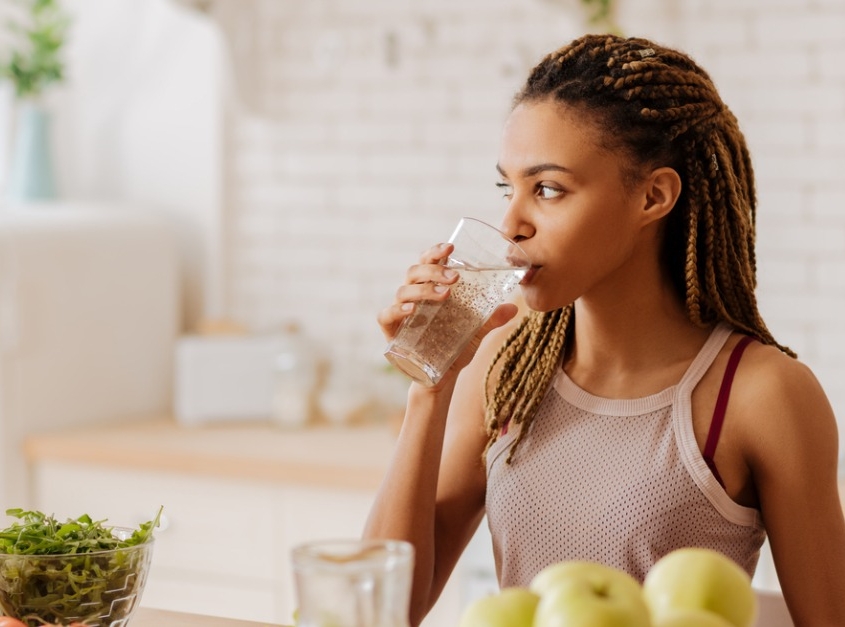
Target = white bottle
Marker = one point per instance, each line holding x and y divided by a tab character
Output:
345	396
295	379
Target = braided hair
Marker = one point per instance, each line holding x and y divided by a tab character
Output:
658	108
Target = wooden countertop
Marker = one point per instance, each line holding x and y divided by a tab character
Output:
148	617
322	456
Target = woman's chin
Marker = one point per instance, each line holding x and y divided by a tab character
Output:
535	301
541	301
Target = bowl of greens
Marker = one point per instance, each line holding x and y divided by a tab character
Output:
79	570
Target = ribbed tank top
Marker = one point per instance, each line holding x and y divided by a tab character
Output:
620	482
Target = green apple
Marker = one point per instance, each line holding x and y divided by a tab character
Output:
599	574
510	607
691	618
700	579
583	594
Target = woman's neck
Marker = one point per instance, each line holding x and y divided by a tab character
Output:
634	340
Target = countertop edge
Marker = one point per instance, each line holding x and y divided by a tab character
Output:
164	448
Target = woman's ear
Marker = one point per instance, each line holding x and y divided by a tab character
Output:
662	188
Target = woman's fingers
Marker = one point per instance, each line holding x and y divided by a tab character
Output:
407	300
390	318
431	268
437	253
428	280
435	287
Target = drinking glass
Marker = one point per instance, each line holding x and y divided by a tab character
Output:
490	267
353	583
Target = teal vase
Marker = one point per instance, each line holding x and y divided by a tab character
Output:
31	177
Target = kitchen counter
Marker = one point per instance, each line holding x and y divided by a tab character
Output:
146	617
319	456
283	486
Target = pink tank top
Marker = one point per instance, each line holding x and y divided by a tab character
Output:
621	482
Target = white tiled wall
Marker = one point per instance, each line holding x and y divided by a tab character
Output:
372	126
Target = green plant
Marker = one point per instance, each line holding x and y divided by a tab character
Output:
34	60
601	14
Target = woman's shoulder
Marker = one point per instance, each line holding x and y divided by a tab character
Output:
780	402
768	372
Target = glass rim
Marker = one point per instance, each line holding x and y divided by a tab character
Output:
350	551
504	236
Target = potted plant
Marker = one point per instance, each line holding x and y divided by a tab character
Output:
32	63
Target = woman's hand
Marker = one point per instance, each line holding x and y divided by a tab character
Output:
428	280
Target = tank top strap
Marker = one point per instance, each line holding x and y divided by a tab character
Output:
702	362
685	434
718	420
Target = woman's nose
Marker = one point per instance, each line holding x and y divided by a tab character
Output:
515	224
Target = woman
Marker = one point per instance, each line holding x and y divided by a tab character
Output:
641	405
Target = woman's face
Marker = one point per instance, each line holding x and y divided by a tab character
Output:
569	206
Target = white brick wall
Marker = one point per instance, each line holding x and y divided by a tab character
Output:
376	125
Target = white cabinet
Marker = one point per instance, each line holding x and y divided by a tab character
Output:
217	549
223	547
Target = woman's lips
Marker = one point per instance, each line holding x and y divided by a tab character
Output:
529	275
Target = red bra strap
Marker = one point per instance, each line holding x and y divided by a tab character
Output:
721	406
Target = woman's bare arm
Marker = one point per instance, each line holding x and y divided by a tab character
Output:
433	492
792	442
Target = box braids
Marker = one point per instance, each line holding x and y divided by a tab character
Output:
660	109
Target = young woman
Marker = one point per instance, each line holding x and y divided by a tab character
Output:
641	404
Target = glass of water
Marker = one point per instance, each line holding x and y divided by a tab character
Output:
490	267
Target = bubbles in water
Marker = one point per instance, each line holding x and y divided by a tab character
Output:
436	333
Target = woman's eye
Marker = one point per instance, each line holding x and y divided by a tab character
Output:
505	188
547	192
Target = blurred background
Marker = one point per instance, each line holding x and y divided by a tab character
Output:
267	165
307	151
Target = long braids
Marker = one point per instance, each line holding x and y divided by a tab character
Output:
660	109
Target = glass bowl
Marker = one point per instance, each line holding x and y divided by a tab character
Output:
99	588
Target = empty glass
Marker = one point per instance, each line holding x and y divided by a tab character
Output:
353	583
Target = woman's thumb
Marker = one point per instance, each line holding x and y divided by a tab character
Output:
502	315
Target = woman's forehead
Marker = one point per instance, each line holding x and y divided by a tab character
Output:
550	132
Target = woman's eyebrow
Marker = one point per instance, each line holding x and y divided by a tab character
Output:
536	169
